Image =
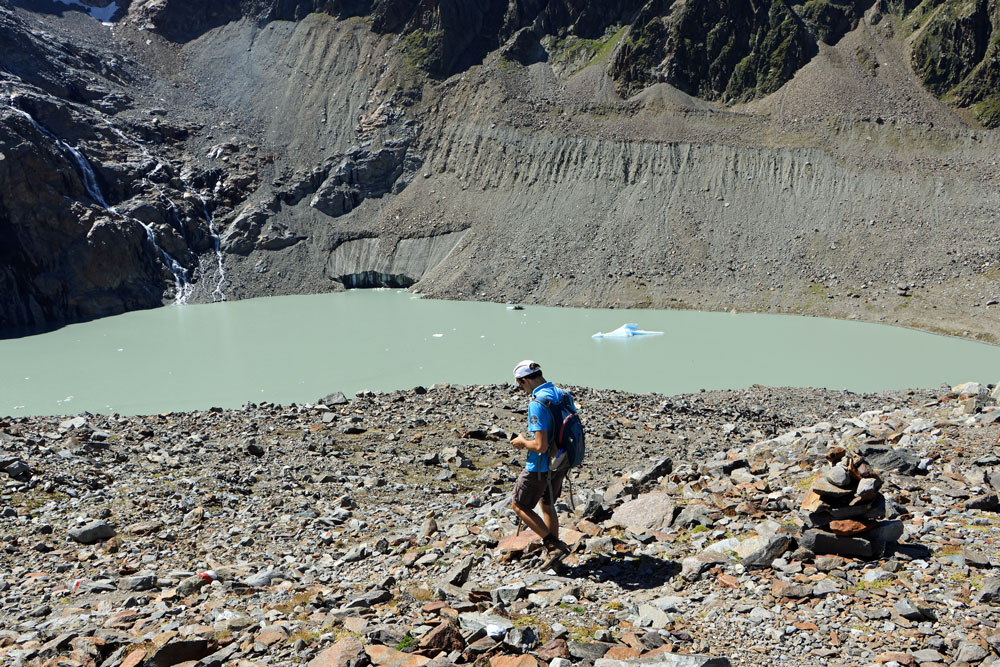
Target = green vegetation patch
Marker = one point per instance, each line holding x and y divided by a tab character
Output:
577	53
988	112
952	44
422	49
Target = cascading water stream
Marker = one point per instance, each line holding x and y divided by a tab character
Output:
217	293
86	172
183	287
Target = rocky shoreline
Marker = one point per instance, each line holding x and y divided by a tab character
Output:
755	527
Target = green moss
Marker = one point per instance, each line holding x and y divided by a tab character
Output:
405	642
988	112
572	54
422	49
35	500
952	44
779	48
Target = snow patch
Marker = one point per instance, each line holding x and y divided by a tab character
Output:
102	14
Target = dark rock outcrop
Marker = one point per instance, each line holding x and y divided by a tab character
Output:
957	54
61	256
733	51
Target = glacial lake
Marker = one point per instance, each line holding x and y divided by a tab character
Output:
300	348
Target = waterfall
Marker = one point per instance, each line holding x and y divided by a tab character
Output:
220	268
220	271
217	293
86	172
182	286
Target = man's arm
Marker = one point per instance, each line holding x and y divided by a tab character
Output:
539	444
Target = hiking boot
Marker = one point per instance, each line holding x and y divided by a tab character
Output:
555	545
553	562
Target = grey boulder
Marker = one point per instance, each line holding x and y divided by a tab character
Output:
92	533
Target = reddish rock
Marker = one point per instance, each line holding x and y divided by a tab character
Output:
657	652
834	454
445	637
812	502
728	581
122	620
272	634
632	639
518	541
390	657
556	648
848	527
513	661
348	652
783	589
901	658
355	624
619	652
134	658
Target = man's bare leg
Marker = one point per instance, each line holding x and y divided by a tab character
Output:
532	520
551	519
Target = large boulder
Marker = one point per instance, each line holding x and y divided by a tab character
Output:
650	511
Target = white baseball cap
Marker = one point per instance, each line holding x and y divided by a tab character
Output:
526	368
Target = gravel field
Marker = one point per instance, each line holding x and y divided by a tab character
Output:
770	526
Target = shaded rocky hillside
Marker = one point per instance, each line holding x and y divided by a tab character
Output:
792	158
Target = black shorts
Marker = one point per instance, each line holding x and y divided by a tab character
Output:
532	487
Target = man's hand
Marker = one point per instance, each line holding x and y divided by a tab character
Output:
540	443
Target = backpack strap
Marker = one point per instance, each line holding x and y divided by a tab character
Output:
541	400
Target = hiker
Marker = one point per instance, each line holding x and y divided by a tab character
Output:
536	482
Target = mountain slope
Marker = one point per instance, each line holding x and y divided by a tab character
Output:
553	152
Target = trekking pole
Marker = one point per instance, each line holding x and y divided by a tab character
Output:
519	523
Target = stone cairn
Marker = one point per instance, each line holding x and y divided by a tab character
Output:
845	512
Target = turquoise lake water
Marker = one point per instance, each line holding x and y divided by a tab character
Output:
299	348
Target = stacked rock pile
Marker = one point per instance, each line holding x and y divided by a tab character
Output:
845	512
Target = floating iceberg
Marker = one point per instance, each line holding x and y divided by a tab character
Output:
627	331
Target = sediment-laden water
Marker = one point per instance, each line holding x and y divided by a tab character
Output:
299	348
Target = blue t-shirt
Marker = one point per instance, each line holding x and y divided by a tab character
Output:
540	419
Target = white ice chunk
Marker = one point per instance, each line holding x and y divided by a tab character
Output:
102	14
627	331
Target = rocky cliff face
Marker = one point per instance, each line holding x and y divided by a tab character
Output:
955	52
194	151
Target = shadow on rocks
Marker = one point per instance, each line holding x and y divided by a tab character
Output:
630	574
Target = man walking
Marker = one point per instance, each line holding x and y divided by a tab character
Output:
536	482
